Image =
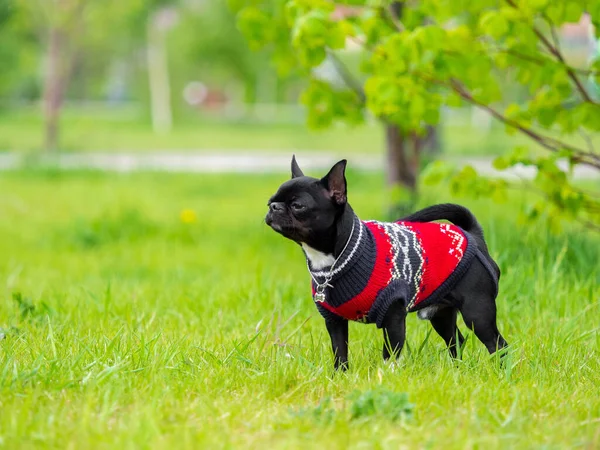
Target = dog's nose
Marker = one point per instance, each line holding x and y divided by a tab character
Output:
276	206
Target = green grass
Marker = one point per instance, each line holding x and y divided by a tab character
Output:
124	130
103	132
127	328
106	131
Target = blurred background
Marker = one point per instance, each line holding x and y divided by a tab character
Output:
174	76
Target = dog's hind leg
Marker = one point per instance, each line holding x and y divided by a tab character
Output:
479	314
444	323
475	296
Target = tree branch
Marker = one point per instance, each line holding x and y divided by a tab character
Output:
541	61
581	156
554	35
349	80
570	72
557	54
394	11
588	140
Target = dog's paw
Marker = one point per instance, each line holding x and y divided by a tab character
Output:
392	365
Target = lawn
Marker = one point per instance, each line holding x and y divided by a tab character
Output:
117	131
158	311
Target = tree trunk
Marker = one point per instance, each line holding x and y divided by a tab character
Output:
402	169
158	74
430	143
404	153
280	91
402	166
54	88
250	91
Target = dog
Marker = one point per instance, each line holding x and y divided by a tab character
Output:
377	272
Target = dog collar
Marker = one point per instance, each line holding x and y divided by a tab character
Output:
341	262
346	255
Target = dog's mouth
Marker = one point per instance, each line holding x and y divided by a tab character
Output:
286	229
276	226
280	228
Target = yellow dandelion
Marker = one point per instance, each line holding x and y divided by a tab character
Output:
188	216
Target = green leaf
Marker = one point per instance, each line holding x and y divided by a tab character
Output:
312	57
555	12
284	61
310	30
432	115
467	173
336	39
455	100
436	172
384	95
488	46
520	154
255	25
573	11
499	192
325	105
588	116
494	24
500	163
537	4
512	111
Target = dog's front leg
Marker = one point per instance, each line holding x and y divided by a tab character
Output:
394	330
338	332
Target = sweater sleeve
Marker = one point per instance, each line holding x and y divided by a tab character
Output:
396	291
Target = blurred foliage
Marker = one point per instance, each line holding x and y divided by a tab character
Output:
449	53
109	40
221	50
5	11
83	51
15	52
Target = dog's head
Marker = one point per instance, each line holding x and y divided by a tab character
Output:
305	209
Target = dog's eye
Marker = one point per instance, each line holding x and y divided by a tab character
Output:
297	206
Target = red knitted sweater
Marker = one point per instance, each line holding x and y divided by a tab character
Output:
417	263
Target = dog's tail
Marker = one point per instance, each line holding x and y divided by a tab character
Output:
461	216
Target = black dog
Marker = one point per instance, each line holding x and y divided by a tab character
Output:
376	272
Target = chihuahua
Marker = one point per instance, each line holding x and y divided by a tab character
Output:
377	272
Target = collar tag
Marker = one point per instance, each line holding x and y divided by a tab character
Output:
319	297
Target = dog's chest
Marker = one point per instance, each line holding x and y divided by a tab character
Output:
318	260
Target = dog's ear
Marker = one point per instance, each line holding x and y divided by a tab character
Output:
296	171
335	182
